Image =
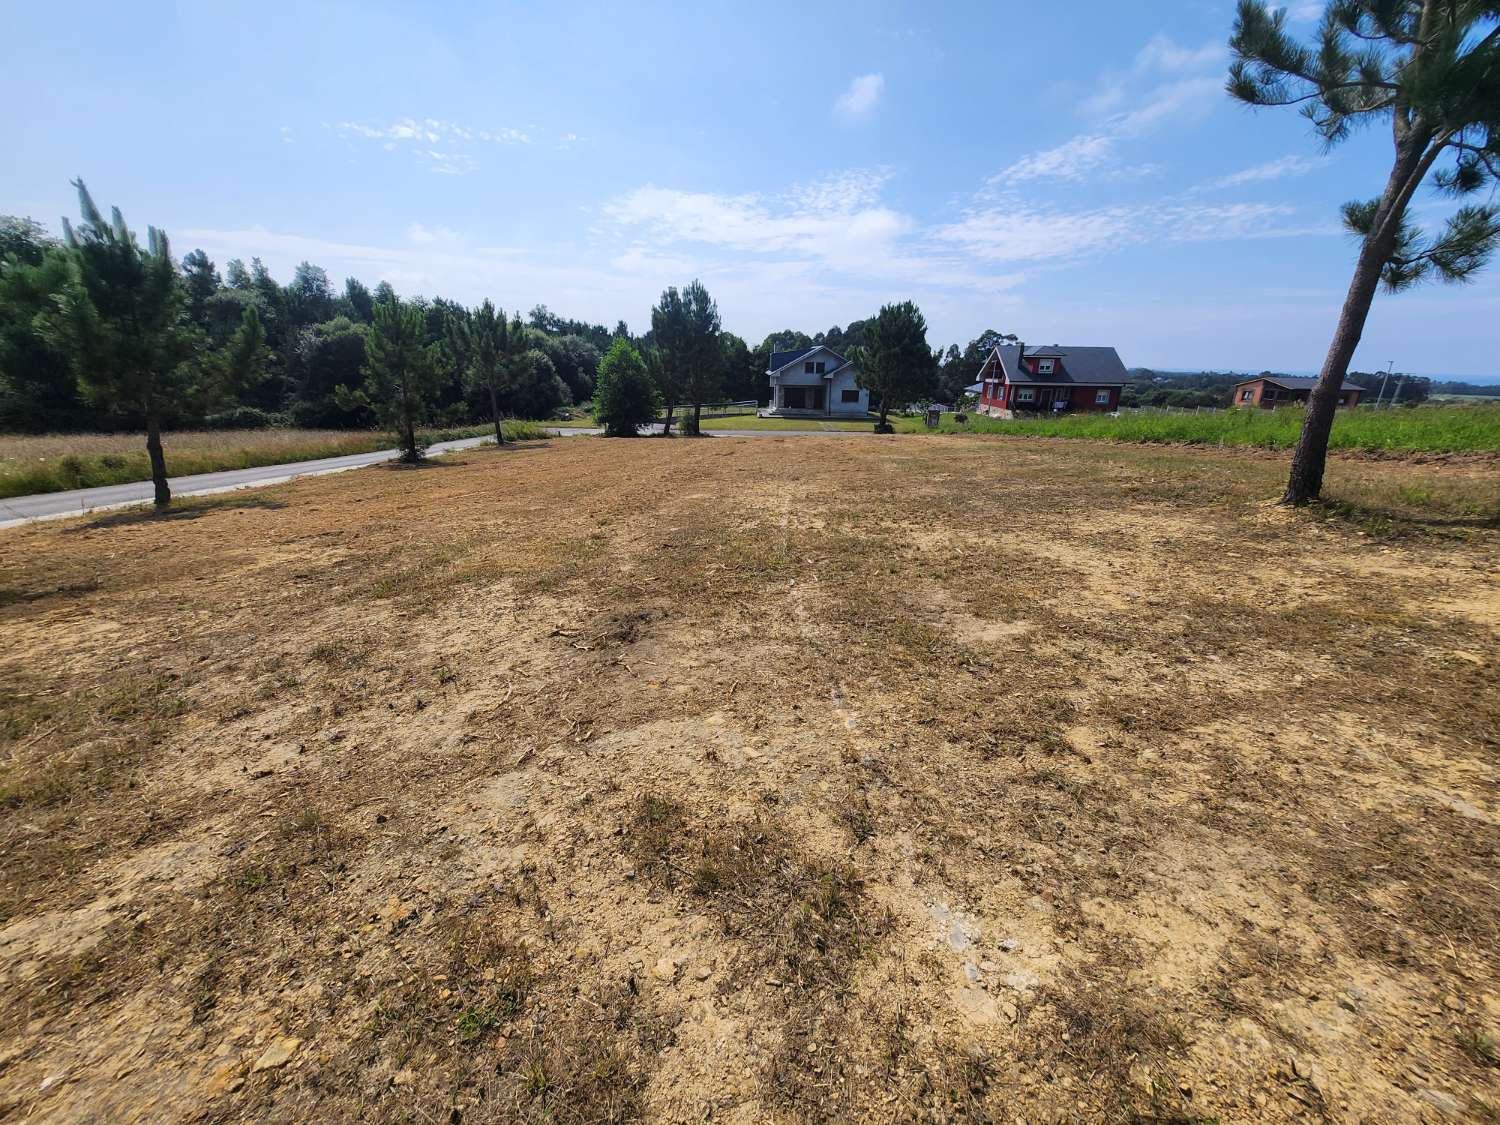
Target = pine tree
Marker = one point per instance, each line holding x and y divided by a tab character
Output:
400	372
685	334
482	340
1431	69
245	355
119	322
895	365
200	281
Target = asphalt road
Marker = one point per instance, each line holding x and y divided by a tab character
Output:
56	505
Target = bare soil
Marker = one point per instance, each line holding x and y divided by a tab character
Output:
802	779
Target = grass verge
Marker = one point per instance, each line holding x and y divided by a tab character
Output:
60	462
1424	429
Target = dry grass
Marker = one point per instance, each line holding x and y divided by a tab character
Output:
938	779
34	463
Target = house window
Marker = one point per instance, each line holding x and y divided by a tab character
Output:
1246	395
849	394
821	368
1101	398
1044	367
807	368
1024	396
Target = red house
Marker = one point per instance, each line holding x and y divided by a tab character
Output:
1280	390
1016	379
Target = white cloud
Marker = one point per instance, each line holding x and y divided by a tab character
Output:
1071	160
418	234
860	98
1020	233
1304	11
1232	221
1016	231
1164	55
423	136
1162	86
838	216
1271	170
1163	78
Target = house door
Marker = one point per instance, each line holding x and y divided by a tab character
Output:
817	397
794	398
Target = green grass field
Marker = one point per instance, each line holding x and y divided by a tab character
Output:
1436	428
35	463
1423	429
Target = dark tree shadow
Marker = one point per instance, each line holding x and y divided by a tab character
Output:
188	508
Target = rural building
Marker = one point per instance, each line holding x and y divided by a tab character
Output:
1278	390
1016	379
815	382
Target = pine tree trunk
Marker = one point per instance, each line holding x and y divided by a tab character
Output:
408	431
1305	483
495	413
1413	159
158	459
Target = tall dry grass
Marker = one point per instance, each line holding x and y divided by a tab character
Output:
57	462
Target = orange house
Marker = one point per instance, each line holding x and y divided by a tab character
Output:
1279	390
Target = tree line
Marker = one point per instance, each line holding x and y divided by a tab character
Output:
99	331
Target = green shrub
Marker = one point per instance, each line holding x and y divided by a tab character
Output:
625	398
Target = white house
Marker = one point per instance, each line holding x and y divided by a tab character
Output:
815	382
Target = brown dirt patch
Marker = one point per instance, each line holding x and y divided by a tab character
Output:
763	779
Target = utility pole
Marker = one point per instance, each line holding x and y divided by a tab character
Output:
1389	364
1396	394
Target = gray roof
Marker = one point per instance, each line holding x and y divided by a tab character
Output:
1296	382
783	359
1084	366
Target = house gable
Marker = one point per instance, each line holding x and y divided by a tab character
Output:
795	362
1057	365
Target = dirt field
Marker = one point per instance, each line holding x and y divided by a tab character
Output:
931	778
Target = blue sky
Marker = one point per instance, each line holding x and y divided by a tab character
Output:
1071	172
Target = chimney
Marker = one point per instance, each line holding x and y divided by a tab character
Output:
1021	355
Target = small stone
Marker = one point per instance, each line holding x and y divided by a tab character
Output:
50	1081
1319	1082
1010	945
1442	1101
702	972
1453	1003
277	1054
665	969
987	966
